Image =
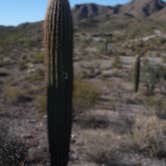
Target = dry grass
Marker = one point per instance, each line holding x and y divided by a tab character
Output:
117	62
40	103
147	136
12	93
86	94
98	147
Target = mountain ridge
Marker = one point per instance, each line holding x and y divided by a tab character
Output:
135	8
154	9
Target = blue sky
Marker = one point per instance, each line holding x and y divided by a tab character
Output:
14	12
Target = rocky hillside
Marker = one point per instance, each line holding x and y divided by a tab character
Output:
92	16
135	8
91	10
143	8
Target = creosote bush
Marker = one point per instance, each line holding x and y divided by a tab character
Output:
117	62
155	104
40	103
12	93
86	94
38	57
151	75
147	136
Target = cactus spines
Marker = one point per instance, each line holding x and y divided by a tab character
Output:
58	40
137	73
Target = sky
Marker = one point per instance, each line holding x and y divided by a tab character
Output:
14	12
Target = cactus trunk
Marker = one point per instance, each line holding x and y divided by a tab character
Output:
137	73
58	32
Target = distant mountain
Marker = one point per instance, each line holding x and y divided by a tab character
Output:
135	8
143	8
91	10
133	17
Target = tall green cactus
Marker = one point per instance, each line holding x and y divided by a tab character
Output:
137	68
58	32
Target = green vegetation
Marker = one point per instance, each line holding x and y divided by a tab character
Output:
38	57
86	95
35	76
12	93
117	62
151	75
40	103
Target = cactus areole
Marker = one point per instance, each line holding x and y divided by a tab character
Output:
58	34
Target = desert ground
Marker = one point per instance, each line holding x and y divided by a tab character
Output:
112	124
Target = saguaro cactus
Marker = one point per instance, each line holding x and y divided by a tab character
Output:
137	73
58	32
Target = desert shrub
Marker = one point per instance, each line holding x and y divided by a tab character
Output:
40	103
100	147
22	64
13	93
162	82
84	43
12	149
86	94
36	75
156	104
117	62
147	136
151	75
163	41
38	57
160	108
101	47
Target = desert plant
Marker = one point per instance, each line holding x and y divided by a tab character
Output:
59	48
12	94
117	62
137	67
13	151
85	95
40	103
107	41
147	136
38	57
151	75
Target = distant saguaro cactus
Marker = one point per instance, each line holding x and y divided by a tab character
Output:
137	68
58	34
